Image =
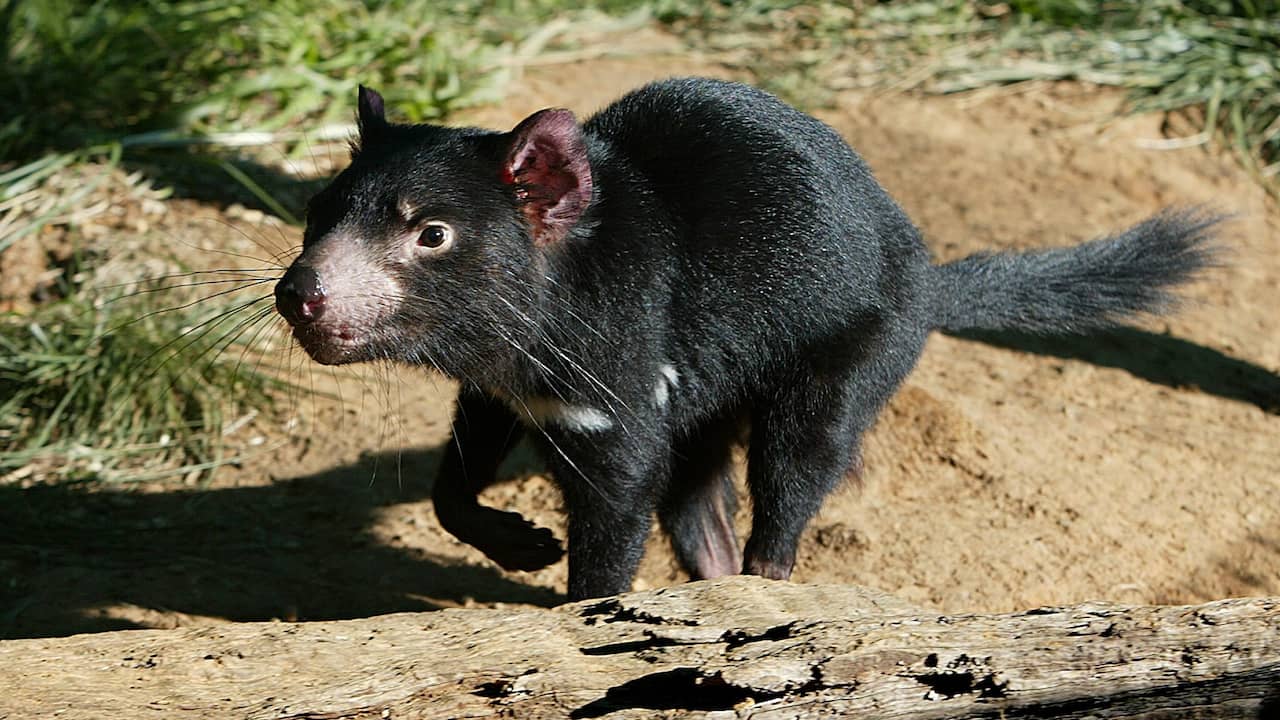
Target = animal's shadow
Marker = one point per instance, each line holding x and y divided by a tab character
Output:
299	548
1161	359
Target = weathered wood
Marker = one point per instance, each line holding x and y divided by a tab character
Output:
737	647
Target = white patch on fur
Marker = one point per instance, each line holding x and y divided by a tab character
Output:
668	380
553	411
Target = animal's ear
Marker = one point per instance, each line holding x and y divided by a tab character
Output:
547	163
370	115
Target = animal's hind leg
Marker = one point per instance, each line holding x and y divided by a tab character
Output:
805	436
700	504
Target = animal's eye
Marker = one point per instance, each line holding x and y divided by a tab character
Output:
436	236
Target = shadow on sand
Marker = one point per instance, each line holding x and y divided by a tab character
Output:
300	548
1161	359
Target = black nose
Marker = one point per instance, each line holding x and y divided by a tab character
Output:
300	296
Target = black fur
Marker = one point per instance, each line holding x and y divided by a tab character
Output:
718	233
1092	286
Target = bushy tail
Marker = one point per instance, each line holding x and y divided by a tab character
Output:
1092	286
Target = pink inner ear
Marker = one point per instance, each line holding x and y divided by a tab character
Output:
549	167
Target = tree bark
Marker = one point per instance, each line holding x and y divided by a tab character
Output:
735	647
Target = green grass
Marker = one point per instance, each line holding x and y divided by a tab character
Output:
178	81
82	72
131	387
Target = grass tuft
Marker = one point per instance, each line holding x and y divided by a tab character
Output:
98	390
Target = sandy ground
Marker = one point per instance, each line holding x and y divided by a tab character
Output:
1140	467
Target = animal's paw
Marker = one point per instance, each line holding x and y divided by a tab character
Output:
517	544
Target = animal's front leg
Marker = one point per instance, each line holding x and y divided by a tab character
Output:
611	487
484	431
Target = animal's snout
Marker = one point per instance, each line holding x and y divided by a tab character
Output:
300	298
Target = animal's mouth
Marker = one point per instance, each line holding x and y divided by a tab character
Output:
330	345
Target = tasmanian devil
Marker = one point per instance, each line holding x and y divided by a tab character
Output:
695	263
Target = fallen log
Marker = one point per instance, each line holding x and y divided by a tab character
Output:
735	647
